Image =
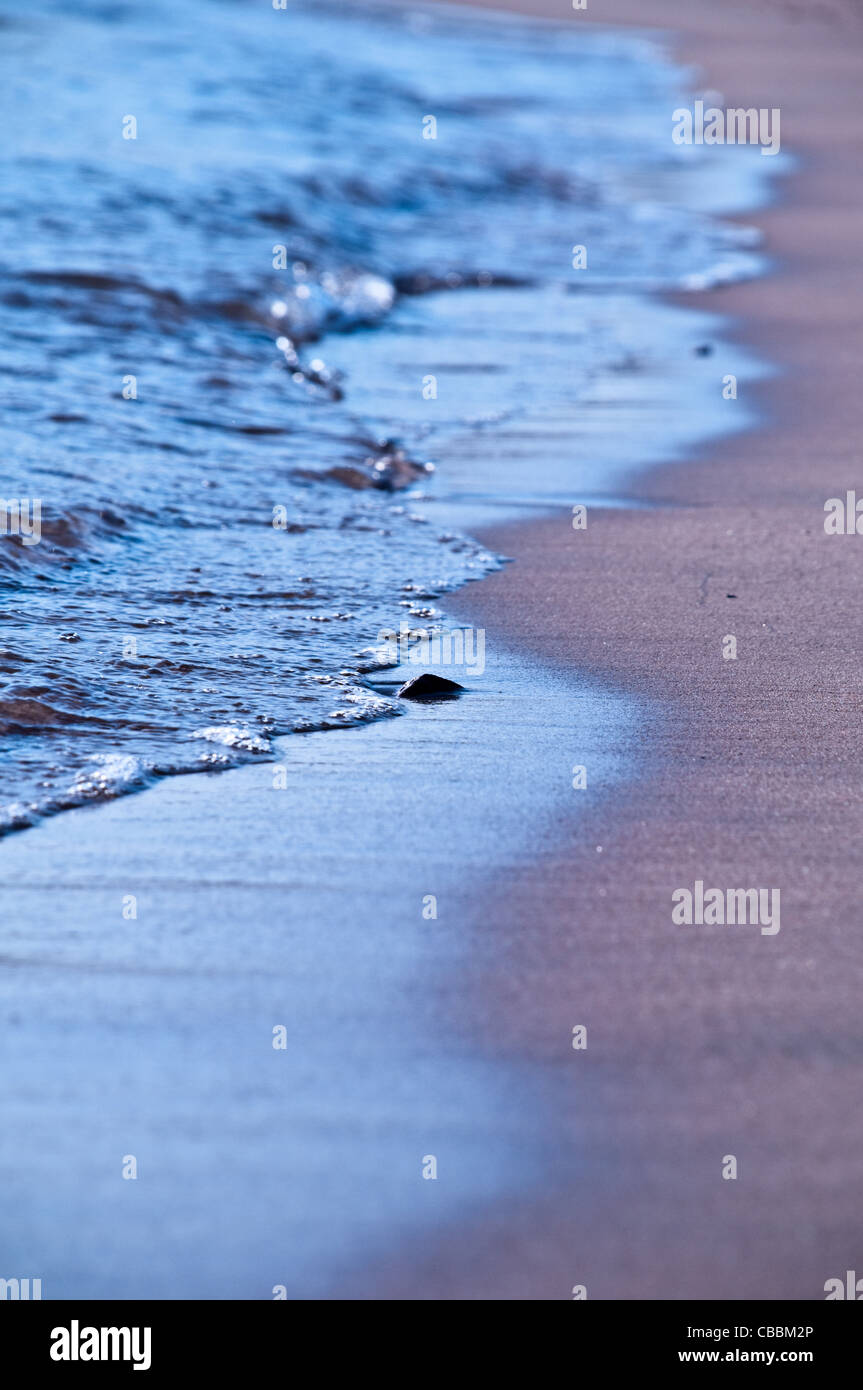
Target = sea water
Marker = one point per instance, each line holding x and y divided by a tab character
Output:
288	302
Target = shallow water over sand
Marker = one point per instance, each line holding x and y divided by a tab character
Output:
284	264
153	1035
301	905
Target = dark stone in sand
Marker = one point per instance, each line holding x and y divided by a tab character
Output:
429	687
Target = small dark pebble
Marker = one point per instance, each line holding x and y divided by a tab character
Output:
429	687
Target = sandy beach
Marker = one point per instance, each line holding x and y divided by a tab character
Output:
720	1043
413	1031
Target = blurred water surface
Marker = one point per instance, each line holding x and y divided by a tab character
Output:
281	260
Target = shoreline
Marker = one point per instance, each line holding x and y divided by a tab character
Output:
716	1044
698	1047
156	1027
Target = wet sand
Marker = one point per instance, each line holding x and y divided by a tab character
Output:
602	1167
704	1042
154	944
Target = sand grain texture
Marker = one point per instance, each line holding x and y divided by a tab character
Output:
724	1041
